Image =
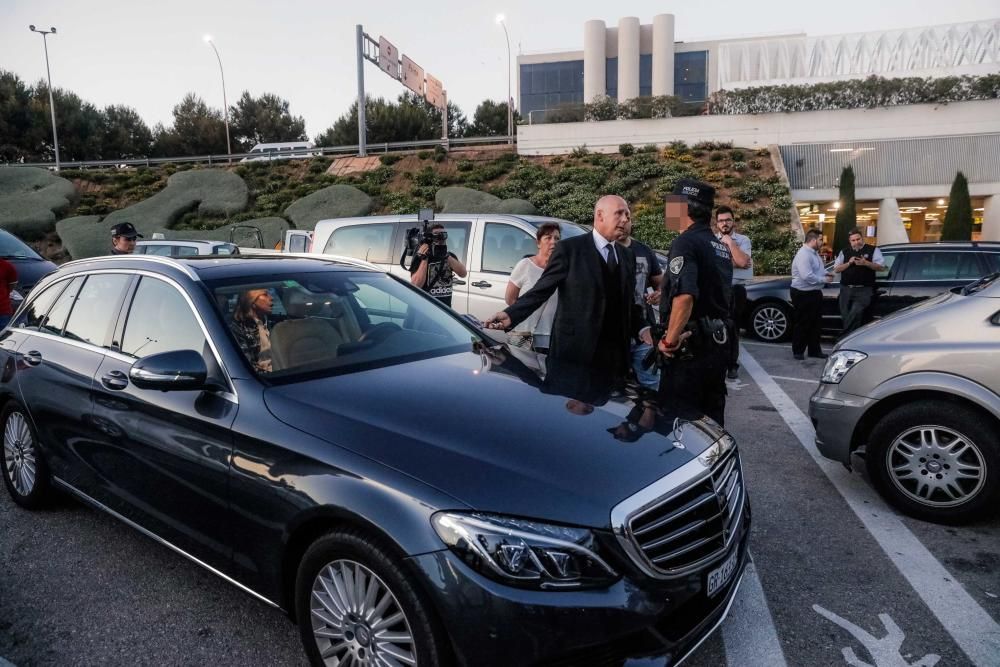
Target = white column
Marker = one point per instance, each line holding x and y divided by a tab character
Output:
594	60
628	58
890	224
991	219
663	54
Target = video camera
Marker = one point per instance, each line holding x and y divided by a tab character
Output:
417	236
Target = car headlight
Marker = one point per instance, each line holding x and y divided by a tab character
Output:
839	363
525	553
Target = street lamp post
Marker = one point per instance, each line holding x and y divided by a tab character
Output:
48	73
225	102
510	108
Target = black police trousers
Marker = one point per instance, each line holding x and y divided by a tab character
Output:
698	384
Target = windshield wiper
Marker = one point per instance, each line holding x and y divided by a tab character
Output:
979	284
18	257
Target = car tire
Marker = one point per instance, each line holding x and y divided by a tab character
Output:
25	473
937	461
770	321
334	621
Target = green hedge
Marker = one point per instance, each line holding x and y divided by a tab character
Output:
209	192
335	201
465	200
84	236
30	198
875	91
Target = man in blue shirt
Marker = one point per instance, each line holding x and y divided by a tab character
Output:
808	278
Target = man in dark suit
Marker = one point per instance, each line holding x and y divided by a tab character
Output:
595	276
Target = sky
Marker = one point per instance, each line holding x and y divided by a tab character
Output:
148	55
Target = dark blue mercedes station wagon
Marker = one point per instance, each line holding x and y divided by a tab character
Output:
339	445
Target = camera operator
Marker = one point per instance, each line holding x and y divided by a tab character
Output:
434	268
695	305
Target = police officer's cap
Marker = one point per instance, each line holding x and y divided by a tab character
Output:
126	229
696	191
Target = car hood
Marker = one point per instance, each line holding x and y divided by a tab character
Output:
922	322
485	429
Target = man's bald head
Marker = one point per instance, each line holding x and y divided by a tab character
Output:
612	217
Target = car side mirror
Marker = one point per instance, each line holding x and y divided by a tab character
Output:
178	370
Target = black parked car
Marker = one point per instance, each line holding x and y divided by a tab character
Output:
401	485
914	272
29	264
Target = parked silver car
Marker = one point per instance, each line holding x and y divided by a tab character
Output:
918	395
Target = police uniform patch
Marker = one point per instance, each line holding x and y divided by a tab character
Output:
676	264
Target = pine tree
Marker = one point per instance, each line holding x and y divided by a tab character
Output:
847	214
958	218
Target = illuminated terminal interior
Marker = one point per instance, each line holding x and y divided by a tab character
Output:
922	218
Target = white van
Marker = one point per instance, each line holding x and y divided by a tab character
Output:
488	244
282	150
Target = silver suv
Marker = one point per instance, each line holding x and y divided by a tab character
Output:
917	394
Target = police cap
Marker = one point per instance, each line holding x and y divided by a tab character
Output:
126	229
696	191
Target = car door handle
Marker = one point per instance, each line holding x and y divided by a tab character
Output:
115	380
458	282
482	284
33	358
881	292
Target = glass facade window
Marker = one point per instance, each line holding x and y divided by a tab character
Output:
645	75
545	86
611	77
550	85
691	76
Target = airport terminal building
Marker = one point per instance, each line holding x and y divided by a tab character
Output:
904	157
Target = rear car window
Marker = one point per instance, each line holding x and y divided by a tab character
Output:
93	313
368	242
34	313
504	246
942	265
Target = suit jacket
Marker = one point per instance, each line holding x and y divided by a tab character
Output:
576	269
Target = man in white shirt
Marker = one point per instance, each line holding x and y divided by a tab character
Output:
740	249
857	265
808	278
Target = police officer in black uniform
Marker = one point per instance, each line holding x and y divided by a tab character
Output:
123	236
695	304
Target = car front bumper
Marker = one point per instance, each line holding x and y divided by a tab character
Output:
835	416
652	623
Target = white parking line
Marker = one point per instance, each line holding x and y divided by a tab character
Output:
749	634
970	626
785	377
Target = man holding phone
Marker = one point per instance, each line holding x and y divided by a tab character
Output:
857	265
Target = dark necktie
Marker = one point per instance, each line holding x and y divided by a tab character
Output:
612	260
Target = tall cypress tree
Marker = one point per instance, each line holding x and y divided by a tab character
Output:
958	218
847	214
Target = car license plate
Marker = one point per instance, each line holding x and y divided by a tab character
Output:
720	576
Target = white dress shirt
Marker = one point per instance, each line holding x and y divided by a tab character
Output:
603	245
808	272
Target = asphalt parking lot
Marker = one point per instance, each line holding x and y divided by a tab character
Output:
838	577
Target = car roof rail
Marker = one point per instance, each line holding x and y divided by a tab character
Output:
157	259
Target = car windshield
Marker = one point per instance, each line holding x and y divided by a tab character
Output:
567	230
12	247
304	325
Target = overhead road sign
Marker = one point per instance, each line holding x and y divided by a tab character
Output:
413	76
388	57
435	92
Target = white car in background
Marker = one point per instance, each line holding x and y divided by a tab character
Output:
282	150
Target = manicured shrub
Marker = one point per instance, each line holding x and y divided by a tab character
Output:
335	201
30	198
626	150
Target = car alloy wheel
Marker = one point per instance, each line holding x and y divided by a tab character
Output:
770	323
19	454
356	619
936	466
